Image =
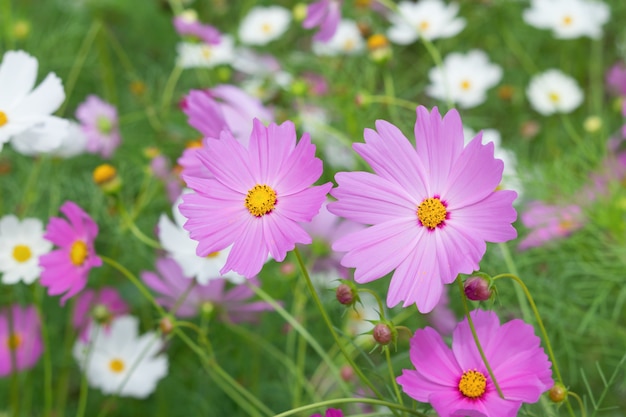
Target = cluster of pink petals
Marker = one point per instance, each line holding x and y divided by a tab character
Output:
162	170
232	305
616	79
325	14
20	339
549	222
88	303
216	212
205	33
60	274
519	364
464	179
99	123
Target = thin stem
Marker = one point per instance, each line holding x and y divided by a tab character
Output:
378	300
338	401
129	222
170	85
583	412
390	91
436	56
475	336
29	188
47	359
399	102
331	328
84	388
183	297
106	67
392	377
521	299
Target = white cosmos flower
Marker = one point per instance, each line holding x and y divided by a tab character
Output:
21	106
359	318
176	241
264	24
55	136
204	55
568	19
464	78
554	92
347	40
21	244
117	359
430	19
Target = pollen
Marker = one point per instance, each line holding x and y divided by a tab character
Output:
465	85
473	384
21	253
431	213
3	118
261	199
116	365
14	341
78	253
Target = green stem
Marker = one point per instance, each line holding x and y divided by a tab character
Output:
391	100
106	68
390	91
84	387
47	359
521	299
392	377
381	308
62	384
170	85
331	328
128	222
436	56
352	400
475	336
583	412
29	189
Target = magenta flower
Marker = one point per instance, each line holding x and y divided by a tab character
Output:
324	14
99	122
203	32
616	79
549	222
257	197
331	412
20	337
65	269
101	305
456	382
232	305
431	207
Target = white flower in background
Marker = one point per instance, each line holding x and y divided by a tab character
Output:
69	139
264	75
464	78
194	55
21	106
264	24
347	40
568	19
554	92
430	19
21	244
510	177
120	360
176	241
359	318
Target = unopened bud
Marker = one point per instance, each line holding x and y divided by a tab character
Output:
105	176
477	289
347	373
383	334
101	314
299	12
557	393
592	124
345	295
166	325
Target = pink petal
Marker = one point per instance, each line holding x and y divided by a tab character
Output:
304	205
249	251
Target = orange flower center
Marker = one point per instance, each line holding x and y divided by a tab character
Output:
431	213
14	341
116	365
261	199
465	85
78	253
21	253
473	384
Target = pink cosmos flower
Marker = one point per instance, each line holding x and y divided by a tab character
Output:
331	412
232	305
257	197
102	305
99	122
549	222
456	382
189	27
20	337
65	269
160	167
616	79
431	207
324	14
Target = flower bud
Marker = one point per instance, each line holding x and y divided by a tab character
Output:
105	176
347	373
379	48
101	314
299	12
166	325
21	29
592	124
383	334
557	393
344	295
477	288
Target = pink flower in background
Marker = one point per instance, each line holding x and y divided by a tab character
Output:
331	412
192	27
549	222
442	317
456	382
20	335
432	207
65	269
161	169
616	79
99	122
318	86
257	197
101	305
324	14
232	305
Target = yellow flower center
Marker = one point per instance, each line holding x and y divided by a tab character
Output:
14	341
266	28
465	85
213	255
431	212
21	253
424	25
473	384
377	41
3	118
261	199
116	365
104	173
78	252
349	45
567	20
206	52
554	97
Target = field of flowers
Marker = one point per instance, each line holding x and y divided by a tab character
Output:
333	208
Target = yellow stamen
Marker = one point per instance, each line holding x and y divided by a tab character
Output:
349	45
266	28
78	253
431	213
14	341
473	384
213	255
465	85
424	25
261	199
554	97
21	253
116	365
3	118
567	20
206	52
